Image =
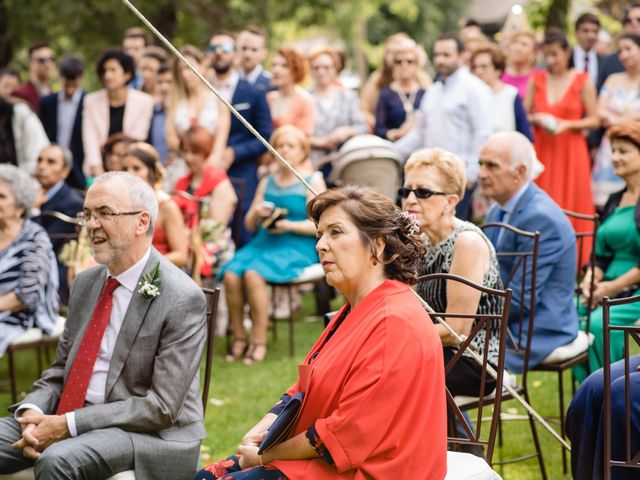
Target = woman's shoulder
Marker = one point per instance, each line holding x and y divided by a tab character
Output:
470	237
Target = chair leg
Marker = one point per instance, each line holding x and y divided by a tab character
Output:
274	320
290	294
536	440
500	428
562	433
12	377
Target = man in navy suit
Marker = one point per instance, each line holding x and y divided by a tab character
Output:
53	167
240	159
508	166
252	50
61	116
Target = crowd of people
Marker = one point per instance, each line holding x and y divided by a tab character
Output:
155	185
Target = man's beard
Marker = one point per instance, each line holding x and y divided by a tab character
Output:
222	69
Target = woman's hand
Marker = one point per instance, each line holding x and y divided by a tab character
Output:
249	456
252	438
604	289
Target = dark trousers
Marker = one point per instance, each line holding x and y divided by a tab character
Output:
464	208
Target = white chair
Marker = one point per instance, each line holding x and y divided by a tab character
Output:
465	466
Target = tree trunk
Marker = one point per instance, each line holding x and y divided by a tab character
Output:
557	14
6	46
166	20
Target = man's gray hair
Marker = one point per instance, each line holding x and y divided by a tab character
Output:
67	156
140	193
24	188
521	152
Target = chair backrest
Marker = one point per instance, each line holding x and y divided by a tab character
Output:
524	270
63	218
482	321
237	221
632	332
212	297
586	228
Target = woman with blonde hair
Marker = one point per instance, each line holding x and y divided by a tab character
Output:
169	232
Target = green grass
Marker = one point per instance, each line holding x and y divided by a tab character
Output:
240	396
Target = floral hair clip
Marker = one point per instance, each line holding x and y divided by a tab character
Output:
413	226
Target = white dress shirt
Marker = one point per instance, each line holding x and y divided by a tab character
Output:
227	86
121	299
67	110
579	56
455	115
253	75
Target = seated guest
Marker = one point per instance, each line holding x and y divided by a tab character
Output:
338	115
54	165
585	422
617	269
289	103
399	102
207	203
146	414
370	410
113	109
508	165
28	272
61	116
277	253
114	151
507	111
434	183
169	232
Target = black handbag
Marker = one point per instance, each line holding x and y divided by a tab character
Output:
283	424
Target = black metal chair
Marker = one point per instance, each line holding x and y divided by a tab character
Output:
632	459
559	367
524	270
212	296
473	431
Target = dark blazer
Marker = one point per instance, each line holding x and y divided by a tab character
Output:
609	64
263	82
252	104
556	319
67	201
49	119
599	70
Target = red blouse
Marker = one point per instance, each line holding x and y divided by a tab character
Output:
376	393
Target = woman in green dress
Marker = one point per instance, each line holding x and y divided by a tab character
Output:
617	268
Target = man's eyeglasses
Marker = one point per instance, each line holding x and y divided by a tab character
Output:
223	47
43	60
100	215
420	192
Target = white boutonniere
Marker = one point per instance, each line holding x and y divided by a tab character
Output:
150	283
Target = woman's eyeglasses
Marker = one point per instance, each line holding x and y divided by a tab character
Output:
421	192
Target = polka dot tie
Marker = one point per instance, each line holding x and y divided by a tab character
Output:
75	388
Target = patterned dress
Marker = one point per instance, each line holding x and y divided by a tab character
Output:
28	268
438	260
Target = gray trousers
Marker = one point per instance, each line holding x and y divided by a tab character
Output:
93	455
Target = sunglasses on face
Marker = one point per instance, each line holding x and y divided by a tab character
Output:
420	192
223	47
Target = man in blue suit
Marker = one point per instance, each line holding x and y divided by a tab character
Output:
61	116
508	166
53	167
240	159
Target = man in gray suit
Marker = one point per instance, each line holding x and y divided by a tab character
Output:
139	407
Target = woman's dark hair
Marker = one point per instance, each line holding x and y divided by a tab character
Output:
114	139
149	157
125	61
556	35
629	36
376	216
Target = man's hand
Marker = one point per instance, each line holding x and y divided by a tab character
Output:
48	429
28	443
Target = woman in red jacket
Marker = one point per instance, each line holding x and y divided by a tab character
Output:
373	383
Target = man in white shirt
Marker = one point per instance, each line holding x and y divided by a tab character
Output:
252	50
584	57
455	114
124	395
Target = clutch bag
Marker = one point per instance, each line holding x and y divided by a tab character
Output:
283	424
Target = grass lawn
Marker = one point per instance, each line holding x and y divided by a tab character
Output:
240	396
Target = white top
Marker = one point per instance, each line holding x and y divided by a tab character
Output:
454	115
121	299
503	109
29	137
208	117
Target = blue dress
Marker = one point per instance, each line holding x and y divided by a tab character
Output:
278	257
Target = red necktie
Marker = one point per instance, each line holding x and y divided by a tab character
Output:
75	388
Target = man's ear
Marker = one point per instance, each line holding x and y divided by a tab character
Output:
143	223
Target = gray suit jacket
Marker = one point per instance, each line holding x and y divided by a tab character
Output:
153	381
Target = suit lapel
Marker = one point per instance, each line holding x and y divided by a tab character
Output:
132	322
92	296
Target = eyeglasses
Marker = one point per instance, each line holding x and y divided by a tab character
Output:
405	61
101	215
223	47
421	192
43	60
